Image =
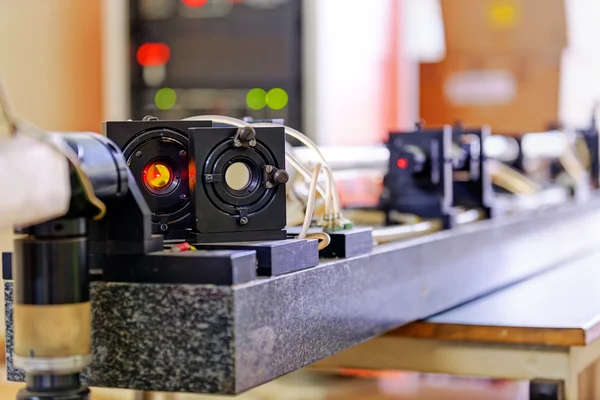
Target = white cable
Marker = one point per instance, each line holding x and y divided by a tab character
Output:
331	198
310	204
326	194
309	143
221	119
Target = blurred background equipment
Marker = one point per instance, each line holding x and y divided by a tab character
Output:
216	57
522	165
517	65
300	60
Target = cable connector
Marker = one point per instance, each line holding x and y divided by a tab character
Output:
335	223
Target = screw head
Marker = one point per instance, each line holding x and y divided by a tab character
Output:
208	178
182	197
243	220
247	133
182	153
269	169
164	227
138	153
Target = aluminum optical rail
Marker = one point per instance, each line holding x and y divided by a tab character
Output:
227	339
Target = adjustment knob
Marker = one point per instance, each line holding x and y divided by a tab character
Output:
281	177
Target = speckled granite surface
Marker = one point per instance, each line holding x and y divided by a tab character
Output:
200	338
178	338
13	373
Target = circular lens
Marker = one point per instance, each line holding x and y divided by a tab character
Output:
158	175
238	176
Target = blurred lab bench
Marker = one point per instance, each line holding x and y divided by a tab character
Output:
544	330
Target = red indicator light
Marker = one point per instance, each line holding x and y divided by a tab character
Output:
402	163
195	3
153	54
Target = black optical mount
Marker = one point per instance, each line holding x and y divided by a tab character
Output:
590	138
225	184
592	141
433	172
419	178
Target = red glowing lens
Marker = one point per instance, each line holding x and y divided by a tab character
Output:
153	54
158	175
195	3
402	163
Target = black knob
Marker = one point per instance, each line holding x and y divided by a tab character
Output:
281	176
246	133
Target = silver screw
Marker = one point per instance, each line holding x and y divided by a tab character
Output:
243	220
164	227
138	153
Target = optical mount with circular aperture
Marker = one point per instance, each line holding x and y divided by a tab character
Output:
253	209
150	141
224	184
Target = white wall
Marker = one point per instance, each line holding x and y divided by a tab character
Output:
580	78
349	44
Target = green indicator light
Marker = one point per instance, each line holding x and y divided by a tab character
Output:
277	98
256	99
165	98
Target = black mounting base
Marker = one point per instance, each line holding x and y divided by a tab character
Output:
275	257
6	265
349	243
188	267
225	237
344	244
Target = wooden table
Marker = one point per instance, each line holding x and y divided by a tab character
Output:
543	330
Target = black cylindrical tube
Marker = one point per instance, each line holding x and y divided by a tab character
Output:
54	387
51	264
44	383
51	282
51	271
